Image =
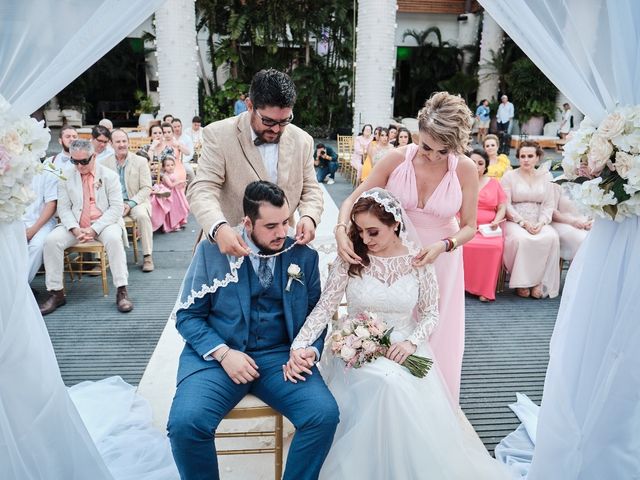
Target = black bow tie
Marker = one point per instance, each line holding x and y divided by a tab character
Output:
258	141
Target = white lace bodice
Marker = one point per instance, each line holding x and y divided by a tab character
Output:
391	287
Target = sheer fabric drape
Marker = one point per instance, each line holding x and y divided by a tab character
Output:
588	423
46	45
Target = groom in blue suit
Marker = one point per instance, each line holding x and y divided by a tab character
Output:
238	339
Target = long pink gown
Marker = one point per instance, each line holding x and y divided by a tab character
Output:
170	212
434	222
483	255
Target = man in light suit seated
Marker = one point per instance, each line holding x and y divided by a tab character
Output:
135	181
238	339
259	144
90	207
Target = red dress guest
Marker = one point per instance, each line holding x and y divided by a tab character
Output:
483	254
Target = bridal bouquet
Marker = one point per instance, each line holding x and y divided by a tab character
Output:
23	141
602	164
364	337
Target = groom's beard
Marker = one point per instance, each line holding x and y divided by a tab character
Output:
269	248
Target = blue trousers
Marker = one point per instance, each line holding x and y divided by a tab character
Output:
204	398
329	169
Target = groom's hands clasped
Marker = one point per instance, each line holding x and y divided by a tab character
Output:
240	367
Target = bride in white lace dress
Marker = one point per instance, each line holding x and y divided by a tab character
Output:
392	425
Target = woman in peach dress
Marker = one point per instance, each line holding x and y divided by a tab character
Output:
435	182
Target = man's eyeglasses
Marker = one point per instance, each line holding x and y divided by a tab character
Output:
104	142
270	122
86	161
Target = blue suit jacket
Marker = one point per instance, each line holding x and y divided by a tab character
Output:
224	316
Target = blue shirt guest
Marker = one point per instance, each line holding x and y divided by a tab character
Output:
238	338
240	105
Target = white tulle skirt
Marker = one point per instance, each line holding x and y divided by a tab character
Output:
589	422
44	435
396	426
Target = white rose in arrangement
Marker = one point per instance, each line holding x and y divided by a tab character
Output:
369	346
591	195
612	126
347	353
362	332
600	150
624	163
628	208
12	142
628	142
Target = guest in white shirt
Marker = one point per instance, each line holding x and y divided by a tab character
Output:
195	131
185	146
504	117
101	139
38	218
105	122
567	121
67	135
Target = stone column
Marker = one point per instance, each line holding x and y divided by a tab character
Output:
177	60
490	43
375	63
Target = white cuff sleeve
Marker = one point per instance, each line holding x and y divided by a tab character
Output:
209	355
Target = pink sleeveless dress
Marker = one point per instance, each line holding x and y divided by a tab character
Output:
434	222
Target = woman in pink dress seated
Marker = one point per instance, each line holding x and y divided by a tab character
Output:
572	227
170	212
360	145
483	254
531	247
435	182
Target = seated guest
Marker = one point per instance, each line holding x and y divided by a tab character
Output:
135	182
168	118
67	135
325	159
195	134
360	145
174	148
38	218
498	164
393	135
90	207
483	254
531	246
377	149
170	211
101	139
185	145
105	122
404	137
572	227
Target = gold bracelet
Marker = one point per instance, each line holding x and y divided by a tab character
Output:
224	354
454	243
338	225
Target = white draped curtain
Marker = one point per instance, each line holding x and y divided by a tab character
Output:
587	48
45	45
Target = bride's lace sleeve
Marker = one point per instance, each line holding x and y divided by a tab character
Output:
329	302
427	305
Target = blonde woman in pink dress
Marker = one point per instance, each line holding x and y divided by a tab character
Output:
531	245
434	181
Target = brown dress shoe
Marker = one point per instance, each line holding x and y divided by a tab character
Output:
147	264
56	299
122	300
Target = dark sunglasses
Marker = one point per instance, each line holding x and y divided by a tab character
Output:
269	122
86	161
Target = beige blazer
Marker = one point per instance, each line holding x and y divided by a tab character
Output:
137	178
108	199
230	161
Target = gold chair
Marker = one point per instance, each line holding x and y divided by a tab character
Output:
345	151
85	263
501	279
252	407
133	235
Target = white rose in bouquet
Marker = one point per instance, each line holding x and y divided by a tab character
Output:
600	150
347	353
625	163
612	126
362	332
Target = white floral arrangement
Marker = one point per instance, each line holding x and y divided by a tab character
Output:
602	165
23	141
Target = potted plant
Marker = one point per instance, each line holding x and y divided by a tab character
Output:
146	109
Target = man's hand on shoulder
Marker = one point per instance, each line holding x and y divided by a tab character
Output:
305	230
240	367
230	242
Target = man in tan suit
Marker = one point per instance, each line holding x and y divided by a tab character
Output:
135	180
259	144
89	207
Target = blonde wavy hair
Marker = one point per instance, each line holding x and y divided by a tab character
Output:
447	119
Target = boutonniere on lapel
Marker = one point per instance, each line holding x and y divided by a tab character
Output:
294	273
98	184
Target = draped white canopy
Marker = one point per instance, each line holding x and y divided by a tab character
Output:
45	45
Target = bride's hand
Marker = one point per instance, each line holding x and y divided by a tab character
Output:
398	352
345	247
429	254
300	361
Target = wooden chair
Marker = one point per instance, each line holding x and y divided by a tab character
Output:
133	234
501	279
345	151
136	143
86	263
248	408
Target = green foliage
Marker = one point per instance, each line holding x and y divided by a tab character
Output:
145	103
219	104
530	91
462	84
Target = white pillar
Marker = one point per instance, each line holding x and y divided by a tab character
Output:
177	60
375	62
490	43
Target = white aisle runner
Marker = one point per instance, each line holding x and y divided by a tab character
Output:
158	381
